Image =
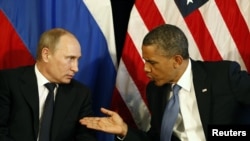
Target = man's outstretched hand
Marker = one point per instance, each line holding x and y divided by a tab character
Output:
113	123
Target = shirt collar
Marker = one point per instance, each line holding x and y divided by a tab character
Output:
186	79
41	80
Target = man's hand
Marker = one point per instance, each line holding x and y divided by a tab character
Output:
113	123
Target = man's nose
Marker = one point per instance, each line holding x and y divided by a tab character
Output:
74	66
147	68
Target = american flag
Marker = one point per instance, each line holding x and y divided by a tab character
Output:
216	30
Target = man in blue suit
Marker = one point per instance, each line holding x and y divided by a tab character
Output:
212	93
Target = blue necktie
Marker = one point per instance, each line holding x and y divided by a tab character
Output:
170	115
47	113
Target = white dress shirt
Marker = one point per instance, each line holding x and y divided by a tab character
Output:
42	92
188	126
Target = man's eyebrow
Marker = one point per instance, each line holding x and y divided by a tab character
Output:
150	61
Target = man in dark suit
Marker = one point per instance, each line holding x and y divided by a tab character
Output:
211	94
23	94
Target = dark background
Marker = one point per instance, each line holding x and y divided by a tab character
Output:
121	12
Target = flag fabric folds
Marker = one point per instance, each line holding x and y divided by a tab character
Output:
22	22
216	30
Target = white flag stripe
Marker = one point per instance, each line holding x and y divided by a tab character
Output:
125	84
220	33
137	29
244	6
132	98
169	6
106	24
214	24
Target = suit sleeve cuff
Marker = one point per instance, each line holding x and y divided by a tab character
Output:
120	138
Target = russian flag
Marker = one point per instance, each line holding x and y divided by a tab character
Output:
22	22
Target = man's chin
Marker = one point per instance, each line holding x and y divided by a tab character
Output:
158	83
66	81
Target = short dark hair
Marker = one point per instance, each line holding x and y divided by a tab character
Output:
169	39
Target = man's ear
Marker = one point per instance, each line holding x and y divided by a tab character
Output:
177	60
45	54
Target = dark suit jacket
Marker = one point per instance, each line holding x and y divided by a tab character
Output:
19	108
225	102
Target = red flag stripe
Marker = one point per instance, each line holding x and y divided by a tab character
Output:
205	42
12	47
244	7
219	32
240	34
132	64
149	13
120	107
132	97
210	38
173	16
129	57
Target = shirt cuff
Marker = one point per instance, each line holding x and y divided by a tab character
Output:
121	139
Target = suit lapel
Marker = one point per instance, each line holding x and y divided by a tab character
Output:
202	90
28	85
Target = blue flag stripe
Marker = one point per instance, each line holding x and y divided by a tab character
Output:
96	69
